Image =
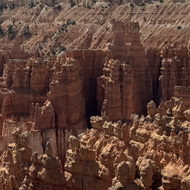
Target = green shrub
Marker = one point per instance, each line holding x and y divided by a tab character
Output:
32	5
72	3
1	31
12	6
26	30
64	27
70	22
40	47
2	7
52	51
11	32
142	4
13	21
62	48
58	7
10	29
131	4
88	6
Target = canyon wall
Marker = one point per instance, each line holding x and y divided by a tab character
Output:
119	89
174	71
56	97
37	93
61	65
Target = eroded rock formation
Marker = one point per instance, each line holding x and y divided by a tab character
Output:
57	96
85	59
152	152
119	89
24	98
21	170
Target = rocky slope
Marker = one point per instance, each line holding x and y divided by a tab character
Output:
63	62
52	29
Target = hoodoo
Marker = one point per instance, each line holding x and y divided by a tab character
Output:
94	95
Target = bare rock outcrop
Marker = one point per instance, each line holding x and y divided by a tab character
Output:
20	170
107	60
154	156
16	161
123	77
151	152
25	99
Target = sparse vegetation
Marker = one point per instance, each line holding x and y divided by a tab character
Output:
13	21
107	29
52	51
40	47
131	4
62	48
10	29
72	3
32	5
71	22
2	7
65	26
161	1
1	31
26	30
12	6
57	7
142	4
88	6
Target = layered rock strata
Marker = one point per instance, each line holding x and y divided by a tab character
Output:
57	96
23	170
119	89
174	72
102	66
60	94
24	99
149	153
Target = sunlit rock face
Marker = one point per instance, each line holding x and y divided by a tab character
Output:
150	152
64	63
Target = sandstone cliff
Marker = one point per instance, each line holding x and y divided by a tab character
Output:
63	62
58	95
